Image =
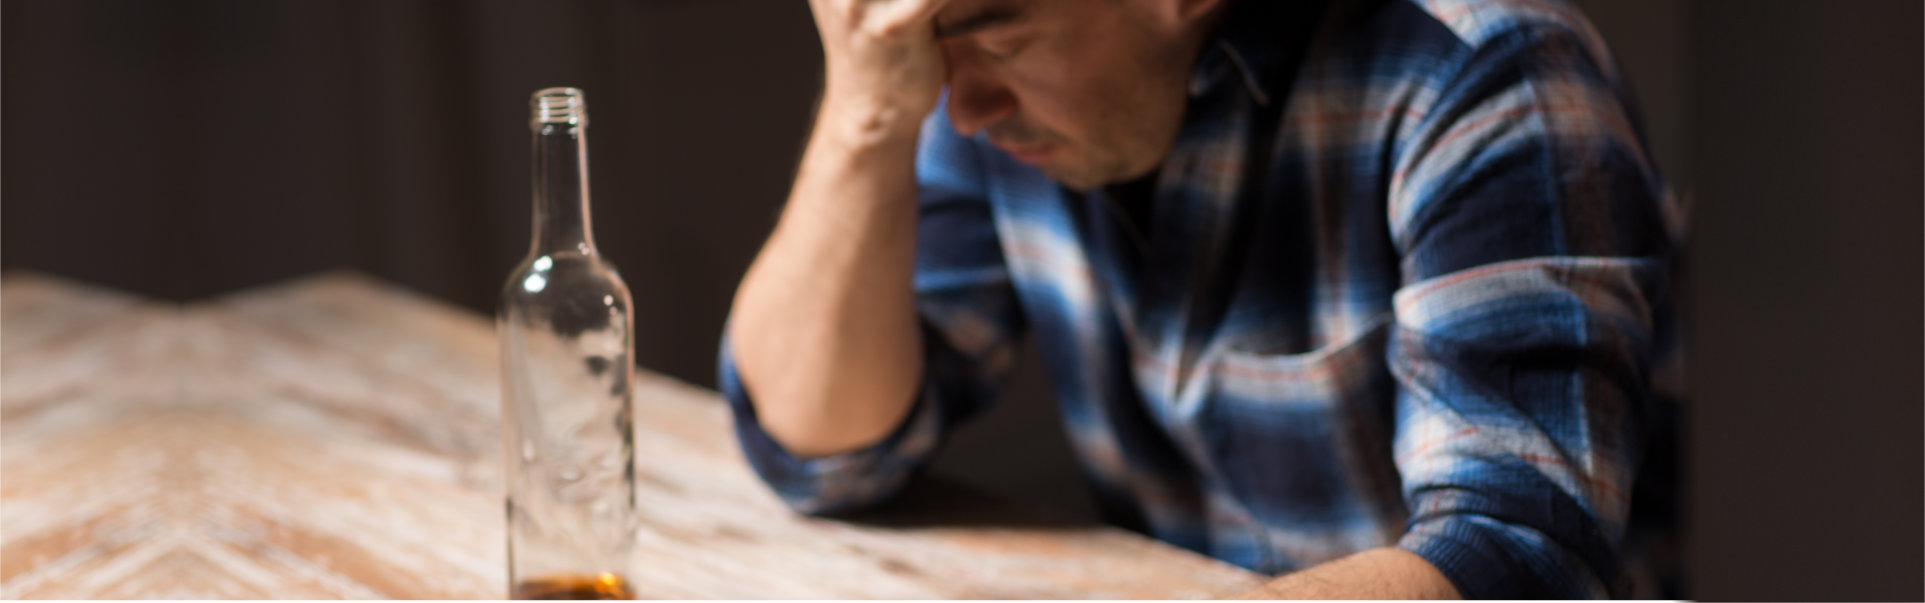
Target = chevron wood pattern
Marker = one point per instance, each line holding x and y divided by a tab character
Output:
338	437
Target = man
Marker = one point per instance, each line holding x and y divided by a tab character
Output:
1367	293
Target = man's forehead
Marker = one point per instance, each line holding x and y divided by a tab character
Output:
963	17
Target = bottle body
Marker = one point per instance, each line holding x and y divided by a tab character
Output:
565	330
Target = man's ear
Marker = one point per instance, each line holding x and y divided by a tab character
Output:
1183	14
1192	10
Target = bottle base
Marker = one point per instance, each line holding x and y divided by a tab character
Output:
579	587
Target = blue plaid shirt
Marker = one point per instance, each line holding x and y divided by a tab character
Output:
1403	282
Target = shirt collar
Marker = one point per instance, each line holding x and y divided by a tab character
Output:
1257	43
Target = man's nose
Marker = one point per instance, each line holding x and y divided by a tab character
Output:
976	101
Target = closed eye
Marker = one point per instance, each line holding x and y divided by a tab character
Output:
1004	48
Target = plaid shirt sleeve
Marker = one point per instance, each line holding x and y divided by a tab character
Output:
971	326
1531	229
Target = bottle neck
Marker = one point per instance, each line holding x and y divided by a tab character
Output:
561	190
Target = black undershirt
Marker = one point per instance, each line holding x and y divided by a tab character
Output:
1134	199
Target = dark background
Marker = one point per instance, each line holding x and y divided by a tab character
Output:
184	149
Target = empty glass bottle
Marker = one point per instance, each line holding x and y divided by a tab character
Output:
566	343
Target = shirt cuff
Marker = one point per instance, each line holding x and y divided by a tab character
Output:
840	483
1490	559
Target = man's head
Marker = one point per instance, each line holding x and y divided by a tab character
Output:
1089	91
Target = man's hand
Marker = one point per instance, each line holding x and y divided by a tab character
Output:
885	70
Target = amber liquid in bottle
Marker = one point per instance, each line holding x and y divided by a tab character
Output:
578	588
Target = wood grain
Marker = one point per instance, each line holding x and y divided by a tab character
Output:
336	437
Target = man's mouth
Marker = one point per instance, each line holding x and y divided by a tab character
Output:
1032	154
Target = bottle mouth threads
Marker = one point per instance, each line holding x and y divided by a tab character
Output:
559	106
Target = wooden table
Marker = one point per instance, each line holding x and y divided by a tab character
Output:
337	437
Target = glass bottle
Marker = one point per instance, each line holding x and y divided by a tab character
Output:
566	343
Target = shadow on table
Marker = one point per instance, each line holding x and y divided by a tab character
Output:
931	502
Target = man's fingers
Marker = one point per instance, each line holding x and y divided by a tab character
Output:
925	10
897	16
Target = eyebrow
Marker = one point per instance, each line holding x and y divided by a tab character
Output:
993	17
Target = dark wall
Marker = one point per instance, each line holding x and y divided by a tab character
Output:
1806	277
188	148
192	147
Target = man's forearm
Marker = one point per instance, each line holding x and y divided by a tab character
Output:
823	327
1385	573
